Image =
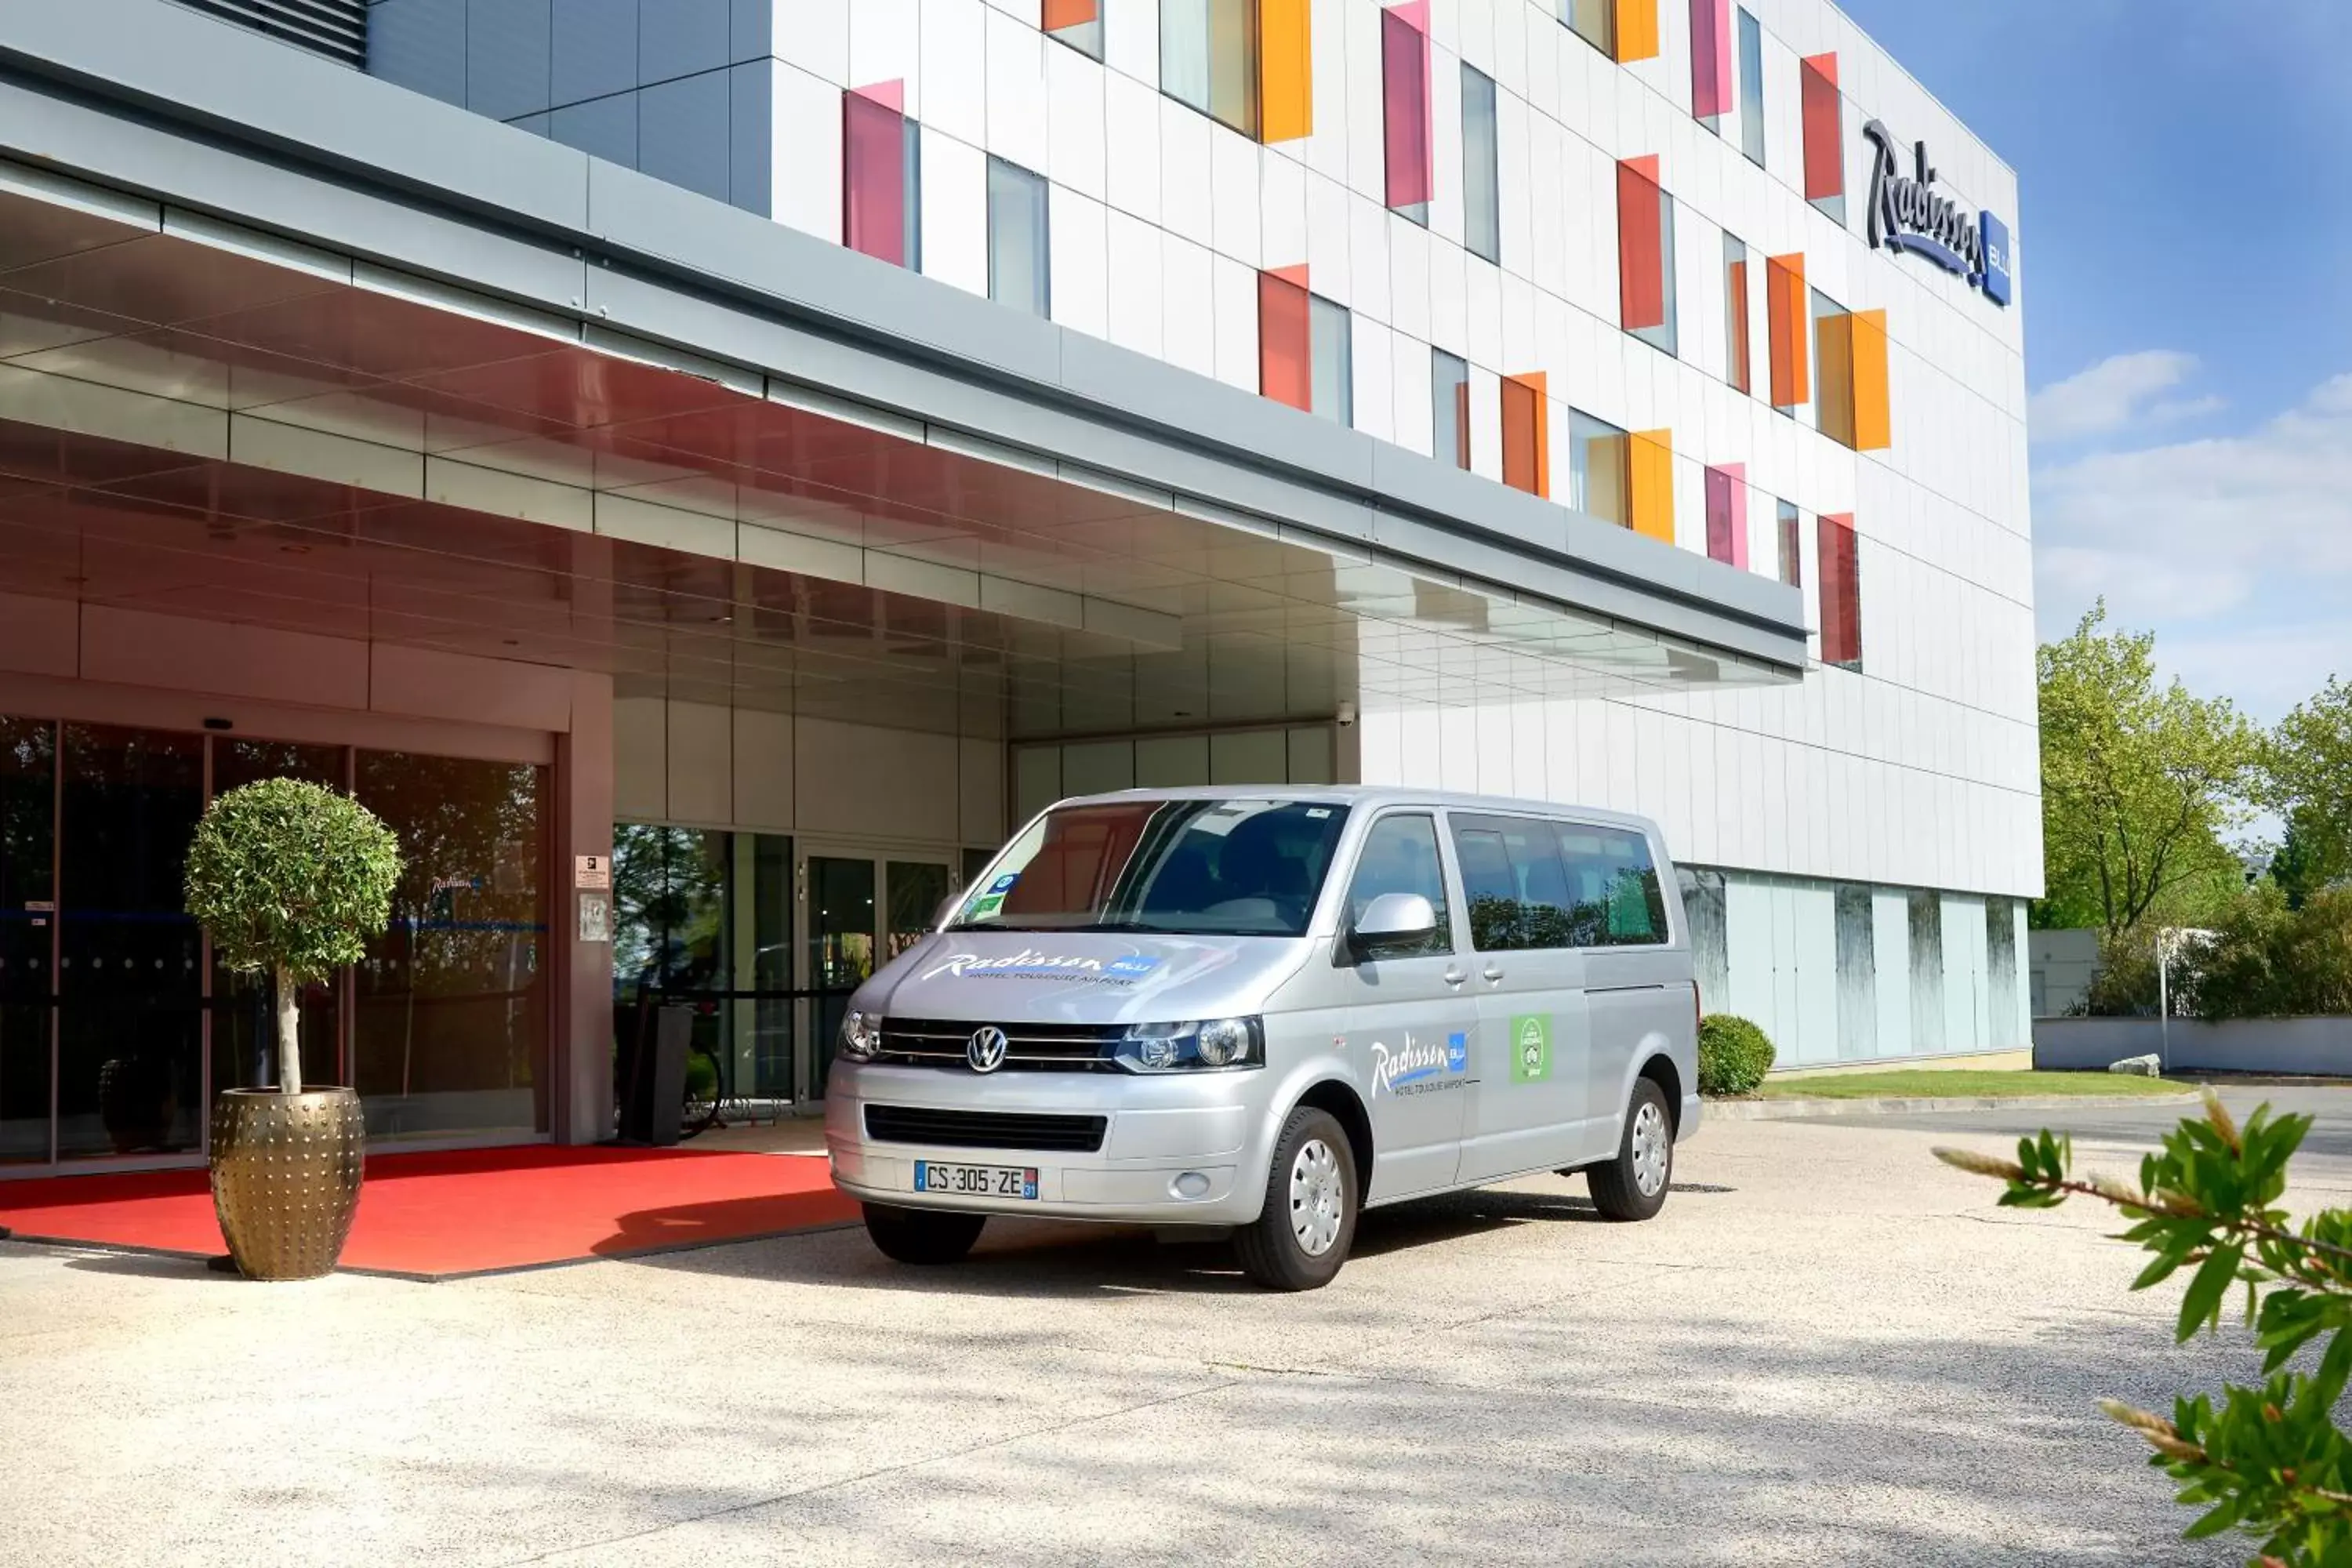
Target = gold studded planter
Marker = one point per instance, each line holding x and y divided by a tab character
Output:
286	1178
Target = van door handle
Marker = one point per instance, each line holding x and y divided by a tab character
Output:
1493	974
1457	976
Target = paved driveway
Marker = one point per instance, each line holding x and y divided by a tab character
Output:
1828	1349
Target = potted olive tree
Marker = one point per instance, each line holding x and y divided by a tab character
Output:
289	880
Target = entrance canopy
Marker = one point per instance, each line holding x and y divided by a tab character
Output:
242	414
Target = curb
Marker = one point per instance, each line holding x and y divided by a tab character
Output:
1789	1110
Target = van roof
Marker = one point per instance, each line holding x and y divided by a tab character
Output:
1376	795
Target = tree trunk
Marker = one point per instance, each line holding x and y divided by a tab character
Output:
289	1044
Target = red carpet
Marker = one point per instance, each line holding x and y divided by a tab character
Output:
470	1212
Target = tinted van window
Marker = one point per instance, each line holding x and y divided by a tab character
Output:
1517	884
1616	886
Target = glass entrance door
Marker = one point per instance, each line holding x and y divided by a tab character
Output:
861	909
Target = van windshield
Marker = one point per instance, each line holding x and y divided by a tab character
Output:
1200	868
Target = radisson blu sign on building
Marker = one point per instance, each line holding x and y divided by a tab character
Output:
1907	213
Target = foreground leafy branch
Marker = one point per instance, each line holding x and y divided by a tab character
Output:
2270	1461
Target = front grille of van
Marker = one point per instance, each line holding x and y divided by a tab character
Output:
1029	1047
984	1129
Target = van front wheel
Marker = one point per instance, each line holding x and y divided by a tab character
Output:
1634	1184
1303	1235
922	1236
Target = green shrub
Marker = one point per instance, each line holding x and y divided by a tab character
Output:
1733	1055
290	879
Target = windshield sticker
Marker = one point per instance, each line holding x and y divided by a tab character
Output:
1004	884
981	907
1031	964
1420	1067
1531	1047
1318	813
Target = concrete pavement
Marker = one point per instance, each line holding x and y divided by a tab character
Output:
1828	1349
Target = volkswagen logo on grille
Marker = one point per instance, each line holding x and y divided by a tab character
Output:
986	1049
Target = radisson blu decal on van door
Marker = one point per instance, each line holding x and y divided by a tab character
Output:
1421	1066
1031	964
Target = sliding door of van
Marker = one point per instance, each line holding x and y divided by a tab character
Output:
1529	1107
1636	984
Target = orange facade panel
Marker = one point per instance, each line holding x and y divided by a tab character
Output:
1637	30
1285	72
1650	481
1833	377
1526	434
1874	412
1786	308
1060	14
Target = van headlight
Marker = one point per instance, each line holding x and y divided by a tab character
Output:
1212	1044
861	1035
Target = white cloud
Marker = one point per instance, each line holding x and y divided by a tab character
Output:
2237	551
2119	392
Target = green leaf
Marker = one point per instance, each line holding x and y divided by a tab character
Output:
2202	1302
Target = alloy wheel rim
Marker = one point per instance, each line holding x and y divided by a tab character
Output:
1318	1203
1650	1148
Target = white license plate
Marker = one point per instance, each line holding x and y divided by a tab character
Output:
976	1181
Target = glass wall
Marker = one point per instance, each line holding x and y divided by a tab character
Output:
244	1021
450	1025
698	911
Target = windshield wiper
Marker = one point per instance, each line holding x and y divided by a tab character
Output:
1120	926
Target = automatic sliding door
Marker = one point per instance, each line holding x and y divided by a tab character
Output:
840	950
131	996
28	798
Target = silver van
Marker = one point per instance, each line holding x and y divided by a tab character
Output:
1264	1010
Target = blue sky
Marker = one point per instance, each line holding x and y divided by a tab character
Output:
2185	240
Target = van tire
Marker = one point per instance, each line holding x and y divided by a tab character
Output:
1314	1147
923	1236
1617	1184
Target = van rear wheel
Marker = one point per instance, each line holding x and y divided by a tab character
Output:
922	1236
1634	1184
1302	1235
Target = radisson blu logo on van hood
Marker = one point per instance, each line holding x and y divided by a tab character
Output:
1907	213
1031	964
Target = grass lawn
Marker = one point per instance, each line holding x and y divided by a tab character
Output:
1930	1085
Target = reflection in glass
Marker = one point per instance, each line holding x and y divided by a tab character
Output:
840	944
918	888
451	1030
128	1075
1482	168
28	929
1017	274
245	1028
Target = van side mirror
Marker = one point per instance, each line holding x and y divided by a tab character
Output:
1393	923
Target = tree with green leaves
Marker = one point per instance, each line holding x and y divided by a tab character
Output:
290	879
2140	785
2311	779
2270	1461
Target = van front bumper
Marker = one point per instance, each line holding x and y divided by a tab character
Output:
1174	1151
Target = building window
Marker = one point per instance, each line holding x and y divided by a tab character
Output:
1526	434
1016	239
1841	594
1481	179
1594	21
1793	558
1785	306
1711	81
1726	514
1404	100
881	177
1597	478
1334	359
1850	394
1208	59
1738	368
1078	23
1305	353
1824	120
1449	407
1751	89
1645	254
